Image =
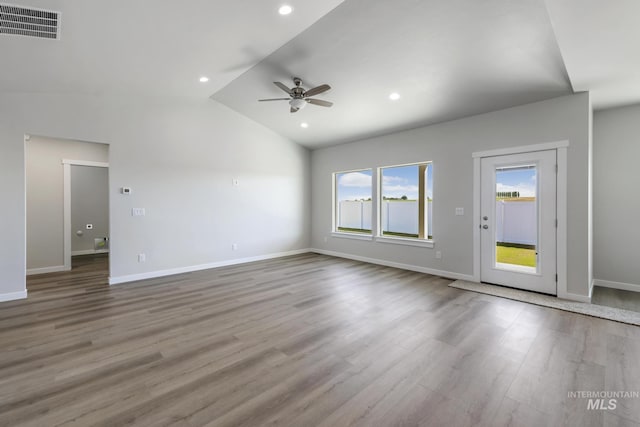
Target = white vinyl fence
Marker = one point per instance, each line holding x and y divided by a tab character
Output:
515	220
354	214
397	216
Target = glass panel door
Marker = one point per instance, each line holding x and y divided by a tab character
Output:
516	218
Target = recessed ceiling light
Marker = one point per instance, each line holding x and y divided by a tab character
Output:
204	79
394	96
304	125
285	9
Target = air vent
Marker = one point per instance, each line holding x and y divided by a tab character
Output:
30	22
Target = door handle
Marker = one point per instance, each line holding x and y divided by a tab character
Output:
485	226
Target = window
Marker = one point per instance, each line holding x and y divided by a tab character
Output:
406	199
352	211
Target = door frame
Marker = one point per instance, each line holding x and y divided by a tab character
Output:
561	205
66	165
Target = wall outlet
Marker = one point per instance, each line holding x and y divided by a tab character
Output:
234	246
438	255
89	226
459	211
142	257
138	212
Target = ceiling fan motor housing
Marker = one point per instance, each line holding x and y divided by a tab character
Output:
299	97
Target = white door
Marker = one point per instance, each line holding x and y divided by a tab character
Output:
518	221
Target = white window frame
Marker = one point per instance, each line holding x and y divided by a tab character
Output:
422	211
334	220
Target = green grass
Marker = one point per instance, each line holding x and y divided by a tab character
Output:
354	230
517	256
385	233
393	233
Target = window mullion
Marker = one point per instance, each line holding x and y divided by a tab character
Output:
422	191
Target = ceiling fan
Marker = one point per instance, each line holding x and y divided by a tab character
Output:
299	96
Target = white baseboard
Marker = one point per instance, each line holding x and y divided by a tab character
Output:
447	274
616	285
160	273
89	252
13	296
43	270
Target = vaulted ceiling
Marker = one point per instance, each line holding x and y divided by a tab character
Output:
446	59
150	47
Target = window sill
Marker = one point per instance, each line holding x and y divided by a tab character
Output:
354	236
406	242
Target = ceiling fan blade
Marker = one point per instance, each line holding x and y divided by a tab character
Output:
317	90
319	102
283	87
274	99
294	110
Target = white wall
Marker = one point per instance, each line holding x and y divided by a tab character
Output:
616	195
89	205
44	175
179	155
450	146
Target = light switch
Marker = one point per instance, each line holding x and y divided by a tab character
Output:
459	211
89	226
236	182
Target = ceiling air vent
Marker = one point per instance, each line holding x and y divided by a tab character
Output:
30	22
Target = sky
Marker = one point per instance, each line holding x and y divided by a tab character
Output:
396	182
517	179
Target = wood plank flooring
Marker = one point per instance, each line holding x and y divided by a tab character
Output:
308	340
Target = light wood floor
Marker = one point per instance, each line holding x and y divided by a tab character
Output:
307	340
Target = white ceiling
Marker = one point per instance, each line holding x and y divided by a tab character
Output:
150	47
447	59
600	45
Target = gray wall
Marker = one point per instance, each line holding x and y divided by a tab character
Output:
450	145
12	215
44	176
89	205
616	180
179	155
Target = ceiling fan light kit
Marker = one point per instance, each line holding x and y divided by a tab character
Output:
299	97
297	103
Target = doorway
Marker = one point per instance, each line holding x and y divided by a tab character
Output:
48	195
86	209
518	220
